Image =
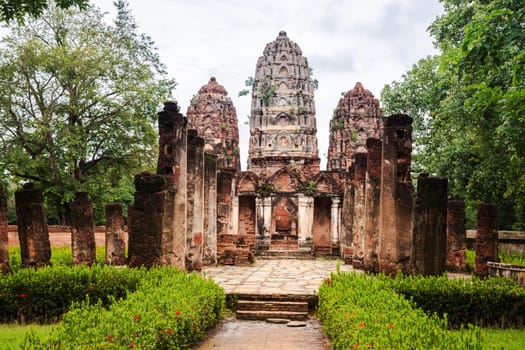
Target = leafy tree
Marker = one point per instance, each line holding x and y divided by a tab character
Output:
78	105
17	9
473	119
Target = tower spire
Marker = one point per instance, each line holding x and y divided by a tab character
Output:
282	122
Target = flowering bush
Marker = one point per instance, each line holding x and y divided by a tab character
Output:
45	294
170	310
360	311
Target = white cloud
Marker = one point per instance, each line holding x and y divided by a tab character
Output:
345	41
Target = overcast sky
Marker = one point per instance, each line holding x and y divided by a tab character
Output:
345	41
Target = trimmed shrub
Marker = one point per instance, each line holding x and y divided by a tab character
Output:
170	310
492	302
43	295
360	311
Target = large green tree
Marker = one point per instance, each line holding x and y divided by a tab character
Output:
18	9
78	104
473	119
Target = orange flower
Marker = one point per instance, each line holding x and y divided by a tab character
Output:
132	345
136	317
361	325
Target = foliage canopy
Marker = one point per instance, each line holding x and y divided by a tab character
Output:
18	9
79	104
469	104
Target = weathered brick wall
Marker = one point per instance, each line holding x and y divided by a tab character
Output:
60	236
235	249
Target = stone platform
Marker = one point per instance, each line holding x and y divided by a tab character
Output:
275	277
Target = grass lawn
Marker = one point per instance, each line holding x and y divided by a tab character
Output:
12	335
508	339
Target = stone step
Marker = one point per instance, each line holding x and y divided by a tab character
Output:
268	305
310	299
263	315
284	254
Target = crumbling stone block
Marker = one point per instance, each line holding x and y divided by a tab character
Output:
486	243
32	227
456	236
210	209
397	192
172	165
358	229
195	203
235	249
430	225
347	221
82	233
4	238
372	196
115	240
146	220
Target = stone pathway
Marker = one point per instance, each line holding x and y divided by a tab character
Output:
280	277
285	276
233	334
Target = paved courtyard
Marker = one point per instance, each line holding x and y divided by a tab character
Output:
279	277
284	276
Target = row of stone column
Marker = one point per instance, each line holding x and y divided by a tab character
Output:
379	201
388	227
174	219
33	232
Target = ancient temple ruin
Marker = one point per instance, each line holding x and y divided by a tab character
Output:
199	208
213	115
361	208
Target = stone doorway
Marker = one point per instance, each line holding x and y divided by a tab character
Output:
321	229
284	224
247	215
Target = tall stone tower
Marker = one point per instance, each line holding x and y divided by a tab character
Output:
213	115
282	122
356	118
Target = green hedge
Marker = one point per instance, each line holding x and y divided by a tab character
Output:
43	295
360	311
170	310
492	302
